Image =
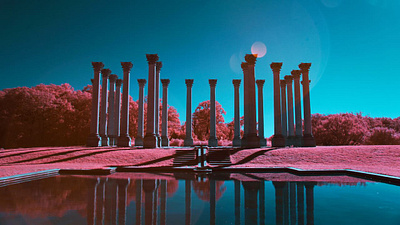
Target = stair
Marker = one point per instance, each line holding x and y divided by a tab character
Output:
184	158
219	157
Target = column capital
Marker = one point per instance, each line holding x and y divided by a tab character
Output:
260	83
141	82
189	82
165	82
282	83
296	74
288	79
119	82
126	66
105	73
244	66
250	59
113	78
158	66
152	58
309	81
236	82
276	66
97	66
304	66
212	82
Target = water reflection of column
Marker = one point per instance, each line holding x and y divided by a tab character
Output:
155	203
91	203
188	200
100	202
279	186
310	203
237	202
212	202
138	202
300	203
262	203
110	214
163	217
292	198
250	201
148	187
286	204
122	195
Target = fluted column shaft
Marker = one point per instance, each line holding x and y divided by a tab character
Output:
117	109
140	131
260	85
283	108
124	140
150	140
188	139
157	103
111	110
291	134
213	141
308	139
94	138
236	139
278	140
103	112
253	140
297	97
164	135
245	104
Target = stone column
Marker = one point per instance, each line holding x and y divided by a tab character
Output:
117	110
236	139
111	110
150	140
164	135
157	103
277	140
253	140
260	85
140	131
245	104
94	138
103	109
291	135
283	108
308	139
124	140
297	99
212	141
188	139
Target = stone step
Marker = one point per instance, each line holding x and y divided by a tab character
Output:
185	157
219	157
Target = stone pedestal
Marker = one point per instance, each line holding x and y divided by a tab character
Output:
103	109
277	140
117	109
94	138
124	139
140	131
297	97
283	108
157	104
111	110
164	135
212	141
188	139
236	139
308	138
150	140
291	135
260	85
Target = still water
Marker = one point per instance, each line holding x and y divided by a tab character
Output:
248	198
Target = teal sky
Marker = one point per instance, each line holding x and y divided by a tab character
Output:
354	47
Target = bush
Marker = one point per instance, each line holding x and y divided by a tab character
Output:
383	136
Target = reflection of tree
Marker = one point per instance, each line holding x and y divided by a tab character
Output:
202	189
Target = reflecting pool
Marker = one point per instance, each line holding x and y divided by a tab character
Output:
186	198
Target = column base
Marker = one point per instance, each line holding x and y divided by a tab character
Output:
263	142
253	141
93	140
291	140
278	141
236	142
188	142
159	141
213	142
298	141
124	141
150	141
139	141
164	141
244	141
308	141
104	140
113	140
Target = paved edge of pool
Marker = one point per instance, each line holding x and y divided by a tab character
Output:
21	178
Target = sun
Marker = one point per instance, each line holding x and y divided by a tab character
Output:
258	49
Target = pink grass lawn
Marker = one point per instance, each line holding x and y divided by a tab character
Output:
377	159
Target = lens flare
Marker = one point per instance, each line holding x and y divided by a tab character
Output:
258	49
